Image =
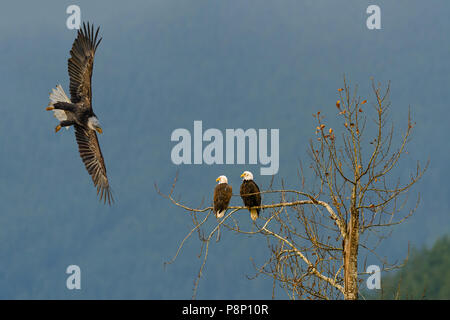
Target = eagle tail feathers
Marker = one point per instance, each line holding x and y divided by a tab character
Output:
254	214
220	214
58	95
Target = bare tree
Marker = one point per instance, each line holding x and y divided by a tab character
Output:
315	234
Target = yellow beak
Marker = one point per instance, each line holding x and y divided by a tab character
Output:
217	180
242	175
99	130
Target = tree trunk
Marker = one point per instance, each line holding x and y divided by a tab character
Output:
351	257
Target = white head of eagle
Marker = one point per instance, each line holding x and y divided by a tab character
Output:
247	175
222	179
94	124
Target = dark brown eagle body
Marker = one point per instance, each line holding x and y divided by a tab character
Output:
78	110
222	196
251	197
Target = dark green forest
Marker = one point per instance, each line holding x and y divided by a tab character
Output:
426	274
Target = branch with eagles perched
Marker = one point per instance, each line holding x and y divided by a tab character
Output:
261	230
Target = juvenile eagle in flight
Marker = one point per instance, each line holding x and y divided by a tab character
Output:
250	194
78	110
222	196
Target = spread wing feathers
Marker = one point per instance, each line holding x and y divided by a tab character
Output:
92	157
222	196
81	63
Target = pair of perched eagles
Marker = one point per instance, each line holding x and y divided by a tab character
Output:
249	192
77	112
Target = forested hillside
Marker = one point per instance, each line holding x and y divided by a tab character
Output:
425	276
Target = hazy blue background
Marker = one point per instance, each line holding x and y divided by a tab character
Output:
162	65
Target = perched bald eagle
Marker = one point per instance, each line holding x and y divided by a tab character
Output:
222	196
250	194
78	110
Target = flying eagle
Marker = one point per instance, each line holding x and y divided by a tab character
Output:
78	110
222	196
250	194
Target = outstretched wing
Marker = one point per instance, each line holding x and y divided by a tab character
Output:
81	63
92	157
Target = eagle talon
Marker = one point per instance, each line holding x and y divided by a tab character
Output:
49	108
58	127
